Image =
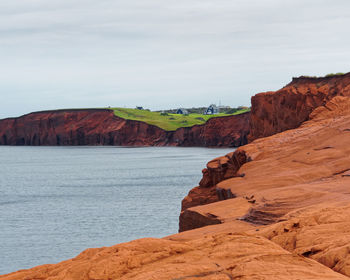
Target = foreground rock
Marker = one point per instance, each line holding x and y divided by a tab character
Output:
221	256
295	191
102	127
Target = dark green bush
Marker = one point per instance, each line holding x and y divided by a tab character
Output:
334	74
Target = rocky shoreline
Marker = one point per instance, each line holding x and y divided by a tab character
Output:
276	208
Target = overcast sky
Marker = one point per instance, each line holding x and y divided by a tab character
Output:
161	53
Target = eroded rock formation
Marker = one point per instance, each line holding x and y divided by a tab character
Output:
216	257
217	132
294	192
77	127
287	215
287	108
271	113
102	127
217	170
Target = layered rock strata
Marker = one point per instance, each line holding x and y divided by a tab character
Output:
231	131
102	127
271	112
295	191
217	170
284	216
216	257
287	108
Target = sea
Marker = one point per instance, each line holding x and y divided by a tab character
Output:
58	201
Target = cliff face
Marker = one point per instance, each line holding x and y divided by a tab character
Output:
271	113
77	127
217	132
287	108
288	217
102	127
218	170
277	208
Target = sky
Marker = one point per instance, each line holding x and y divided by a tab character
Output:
163	54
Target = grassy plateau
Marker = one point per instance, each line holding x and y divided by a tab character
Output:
167	121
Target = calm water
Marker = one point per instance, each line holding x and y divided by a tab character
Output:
57	201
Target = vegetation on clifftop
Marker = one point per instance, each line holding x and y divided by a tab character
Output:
335	74
168	121
326	76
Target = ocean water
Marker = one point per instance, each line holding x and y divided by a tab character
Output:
57	201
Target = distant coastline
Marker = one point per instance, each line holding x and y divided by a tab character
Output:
103	127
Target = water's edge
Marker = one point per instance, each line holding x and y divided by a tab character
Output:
57	201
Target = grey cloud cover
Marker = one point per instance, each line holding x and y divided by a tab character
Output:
163	54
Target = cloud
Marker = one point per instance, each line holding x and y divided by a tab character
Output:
162	53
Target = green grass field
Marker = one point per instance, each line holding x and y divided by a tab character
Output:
167	122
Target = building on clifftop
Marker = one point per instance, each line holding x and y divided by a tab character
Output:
211	110
182	111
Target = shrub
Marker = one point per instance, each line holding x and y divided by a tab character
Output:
334	74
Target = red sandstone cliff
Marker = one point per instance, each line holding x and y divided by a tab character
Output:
229	131
271	113
277	208
274	112
288	218
102	127
77	127
294	191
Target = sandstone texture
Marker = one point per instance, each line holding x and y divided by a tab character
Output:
271	113
231	131
277	208
102	127
216	257
77	127
287	108
217	170
294	192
